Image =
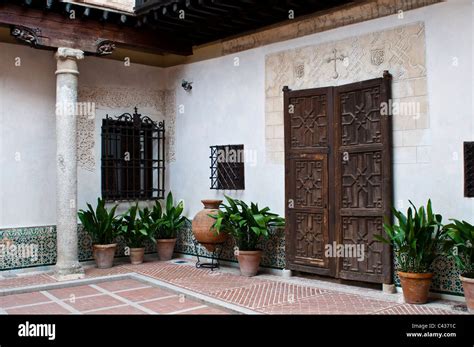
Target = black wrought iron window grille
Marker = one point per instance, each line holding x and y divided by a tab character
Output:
133	158
469	169
227	167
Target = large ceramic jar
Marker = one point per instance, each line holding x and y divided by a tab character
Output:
202	226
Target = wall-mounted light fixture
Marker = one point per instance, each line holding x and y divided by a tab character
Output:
186	85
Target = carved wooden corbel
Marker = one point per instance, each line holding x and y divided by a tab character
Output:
105	47
24	34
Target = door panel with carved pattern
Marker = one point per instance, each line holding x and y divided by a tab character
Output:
363	179
338	179
307	173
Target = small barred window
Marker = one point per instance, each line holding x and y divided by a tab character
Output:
133	158
227	167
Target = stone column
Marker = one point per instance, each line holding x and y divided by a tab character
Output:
67	265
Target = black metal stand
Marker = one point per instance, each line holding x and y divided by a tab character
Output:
215	255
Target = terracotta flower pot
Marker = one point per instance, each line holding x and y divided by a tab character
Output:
416	286
165	248
202	226
137	255
468	286
249	262
104	255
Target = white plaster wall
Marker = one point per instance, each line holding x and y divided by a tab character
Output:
449	32
27	128
27	133
226	106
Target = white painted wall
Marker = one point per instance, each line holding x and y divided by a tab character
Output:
27	130
226	106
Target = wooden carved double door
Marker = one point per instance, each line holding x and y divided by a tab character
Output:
338	180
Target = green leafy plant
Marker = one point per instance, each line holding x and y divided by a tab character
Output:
166	224
247	224
100	224
460	245
135	227
416	239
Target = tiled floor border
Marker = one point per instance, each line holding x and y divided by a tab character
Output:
134	276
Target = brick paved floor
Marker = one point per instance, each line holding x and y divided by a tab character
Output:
114	297
262	294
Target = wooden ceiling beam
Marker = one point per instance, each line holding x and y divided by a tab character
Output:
193	24
49	4
216	19
234	16
245	16
173	22
50	30
208	6
196	36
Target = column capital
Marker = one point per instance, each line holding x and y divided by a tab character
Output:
69	53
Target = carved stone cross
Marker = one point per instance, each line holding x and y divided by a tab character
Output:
335	58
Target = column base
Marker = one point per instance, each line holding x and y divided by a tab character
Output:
68	272
389	288
285	273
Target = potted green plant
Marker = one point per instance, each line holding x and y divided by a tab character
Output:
461	248
248	225
135	230
416	241
102	226
165	225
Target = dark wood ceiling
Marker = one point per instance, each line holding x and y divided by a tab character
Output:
79	10
156	25
209	20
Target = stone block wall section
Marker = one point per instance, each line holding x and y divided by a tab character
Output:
401	51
